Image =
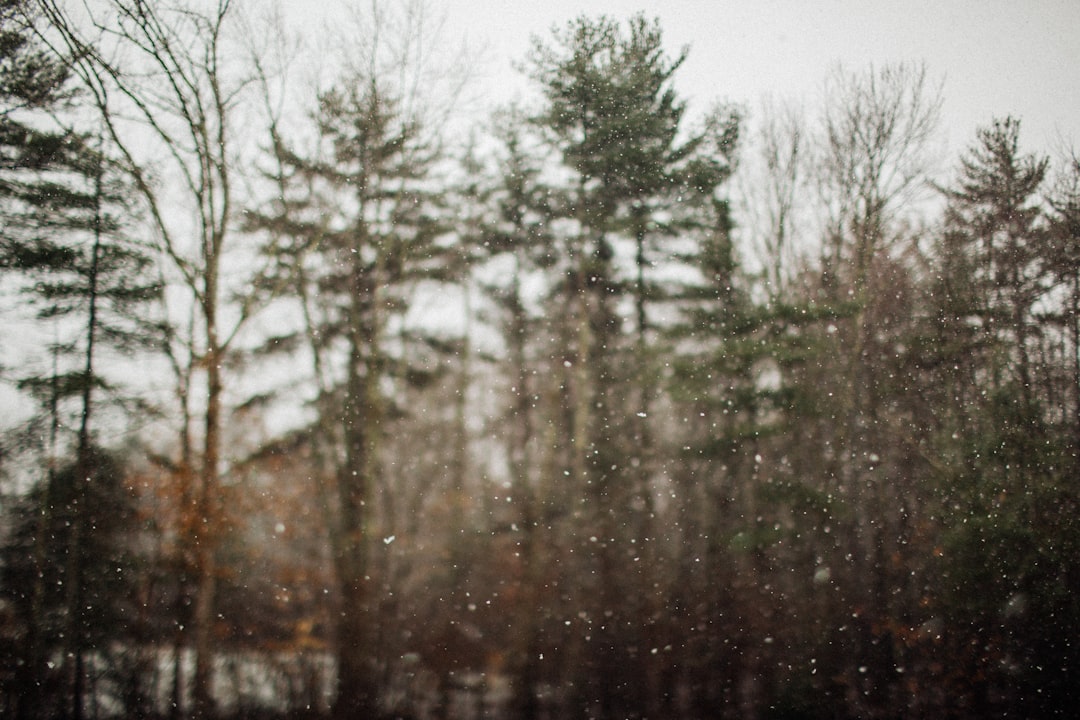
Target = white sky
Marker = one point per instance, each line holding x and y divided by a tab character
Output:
997	57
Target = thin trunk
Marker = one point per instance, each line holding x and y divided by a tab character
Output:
82	473
91	323
642	472
73	599
528	673
208	502
580	381
186	502
1075	316
461	405
356	690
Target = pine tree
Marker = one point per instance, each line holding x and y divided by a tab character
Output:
82	273
1063	261
69	572
65	206
513	246
994	209
32	86
613	119
362	228
95	287
1009	502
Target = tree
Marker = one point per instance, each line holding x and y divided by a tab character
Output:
96	291
1064	265
66	206
873	161
363	228
69	574
90	279
175	77
616	125
878	128
33	85
512	233
994	207
774	184
1008	505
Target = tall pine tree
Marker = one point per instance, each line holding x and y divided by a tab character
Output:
615	123
65	207
361	229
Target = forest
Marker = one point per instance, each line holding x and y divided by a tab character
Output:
326	399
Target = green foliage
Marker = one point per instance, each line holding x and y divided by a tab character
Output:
69	575
609	101
32	149
64	205
1012	542
671	490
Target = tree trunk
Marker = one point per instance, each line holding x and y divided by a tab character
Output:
356	688
209	504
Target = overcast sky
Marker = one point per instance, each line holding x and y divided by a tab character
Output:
996	57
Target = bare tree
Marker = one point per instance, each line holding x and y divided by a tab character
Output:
873	159
773	182
167	89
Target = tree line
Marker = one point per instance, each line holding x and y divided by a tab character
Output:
619	408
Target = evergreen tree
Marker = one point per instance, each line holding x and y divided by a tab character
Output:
33	85
616	125
1064	265
1009	502
69	574
362	229
96	285
994	213
64	206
